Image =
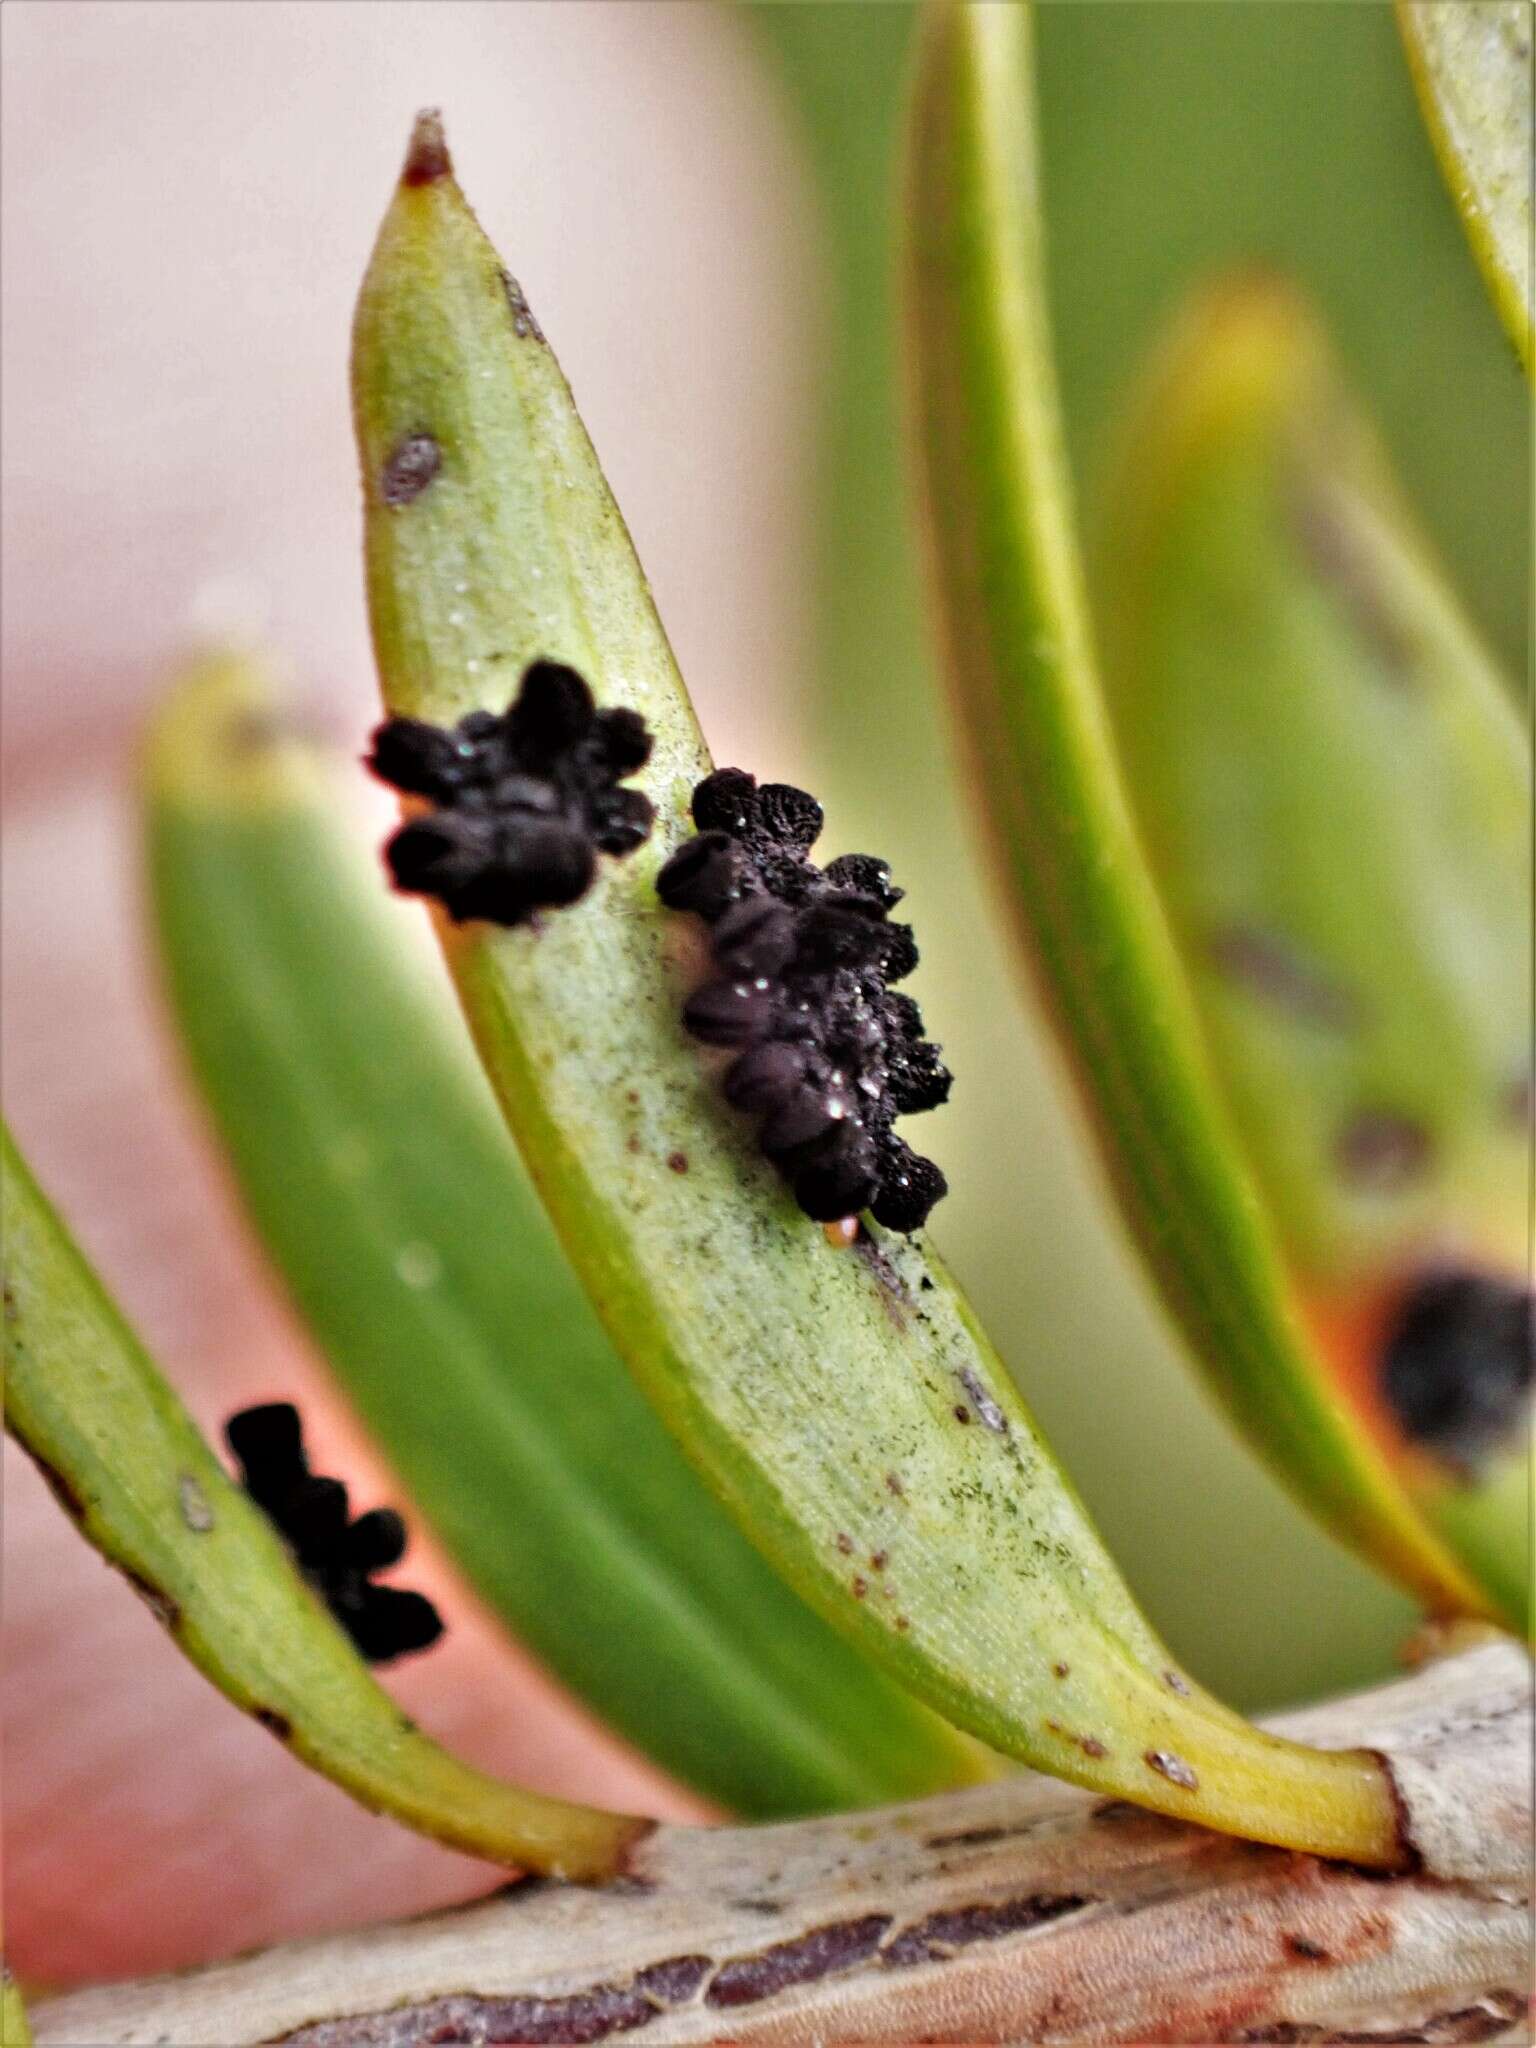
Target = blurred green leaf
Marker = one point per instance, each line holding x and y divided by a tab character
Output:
14	2030
1015	624
1471	64
843	1403
376	1169
126	1463
1333	789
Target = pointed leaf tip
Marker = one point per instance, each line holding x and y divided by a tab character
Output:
427	159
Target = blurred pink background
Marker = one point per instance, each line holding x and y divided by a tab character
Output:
190	194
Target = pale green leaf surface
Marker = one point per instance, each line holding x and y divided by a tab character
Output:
1014	623
127	1463
1471	65
372	1160
817	1389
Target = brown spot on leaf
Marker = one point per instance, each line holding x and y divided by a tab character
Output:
962	1413
410	466
893	1485
275	1723
1175	1682
1323	523
1380	1151
845	1542
878	1560
1270	968
860	1588
678	1161
1061	1670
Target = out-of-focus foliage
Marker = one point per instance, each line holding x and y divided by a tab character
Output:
1333	790
1177	138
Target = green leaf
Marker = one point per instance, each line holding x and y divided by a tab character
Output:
1014	622
374	1165
14	2030
1471	65
127	1464
843	1403
1333	789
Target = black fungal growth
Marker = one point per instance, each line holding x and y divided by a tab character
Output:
828	1054
523	802
1457	1366
337	1555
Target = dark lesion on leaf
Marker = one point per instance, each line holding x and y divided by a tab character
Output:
409	467
828	1052
1381	1151
1457	1364
522	801
338	1553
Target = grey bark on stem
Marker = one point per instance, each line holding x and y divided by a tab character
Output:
1022	1911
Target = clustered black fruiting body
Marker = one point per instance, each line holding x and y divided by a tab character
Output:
828	1054
338	1556
523	802
1458	1361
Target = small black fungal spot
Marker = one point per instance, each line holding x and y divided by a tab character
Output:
524	325
678	1161
523	802
1061	1669
1457	1364
828	1053
411	465
1380	1151
337	1554
961	1412
275	1723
